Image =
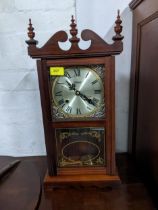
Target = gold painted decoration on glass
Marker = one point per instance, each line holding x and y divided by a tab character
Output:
80	147
79	93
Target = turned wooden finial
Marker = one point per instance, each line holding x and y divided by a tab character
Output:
118	28
31	34
73	31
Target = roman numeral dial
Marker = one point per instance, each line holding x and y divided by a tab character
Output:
78	93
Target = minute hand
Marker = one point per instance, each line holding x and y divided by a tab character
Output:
87	99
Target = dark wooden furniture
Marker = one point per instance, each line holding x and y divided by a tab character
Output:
143	123
20	189
98	54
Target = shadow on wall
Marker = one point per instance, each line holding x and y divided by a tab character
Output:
123	65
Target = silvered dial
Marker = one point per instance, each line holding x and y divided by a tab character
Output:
79	92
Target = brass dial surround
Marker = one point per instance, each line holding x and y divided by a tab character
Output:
79	93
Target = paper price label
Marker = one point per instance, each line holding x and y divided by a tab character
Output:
57	71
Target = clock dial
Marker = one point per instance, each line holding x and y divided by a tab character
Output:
79	92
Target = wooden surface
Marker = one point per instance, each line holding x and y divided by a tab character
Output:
124	198
20	188
131	195
144	16
143	125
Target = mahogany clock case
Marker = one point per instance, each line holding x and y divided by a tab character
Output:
105	123
99	53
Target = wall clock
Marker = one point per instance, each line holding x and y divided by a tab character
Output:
77	90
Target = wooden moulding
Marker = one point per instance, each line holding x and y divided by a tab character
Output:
98	47
133	4
97	180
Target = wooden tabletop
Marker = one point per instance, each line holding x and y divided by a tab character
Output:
21	189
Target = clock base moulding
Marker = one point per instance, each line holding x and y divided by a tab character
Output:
97	180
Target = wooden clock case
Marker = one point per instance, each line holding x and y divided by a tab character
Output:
99	52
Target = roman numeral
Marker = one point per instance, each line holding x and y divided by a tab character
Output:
77	72
68	109
94	82
97	91
95	101
59	93
89	108
60	83
61	102
87	75
67	75
78	111
77	82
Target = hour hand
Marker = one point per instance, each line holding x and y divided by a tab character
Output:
90	101
71	86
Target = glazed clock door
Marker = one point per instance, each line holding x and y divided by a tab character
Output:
80	147
76	97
